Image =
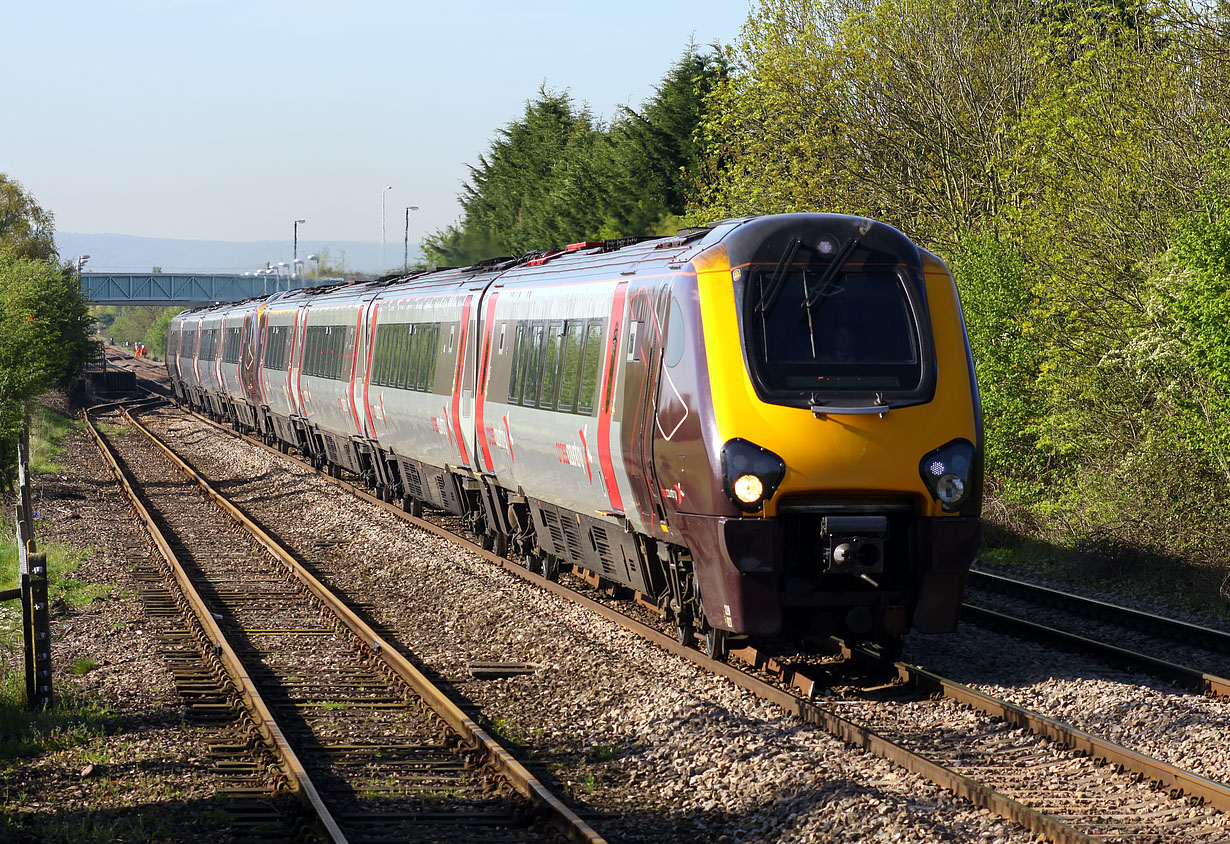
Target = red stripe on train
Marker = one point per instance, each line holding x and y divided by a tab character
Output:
484	371
461	356
610	365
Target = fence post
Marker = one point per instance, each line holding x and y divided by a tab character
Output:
39	633
32	568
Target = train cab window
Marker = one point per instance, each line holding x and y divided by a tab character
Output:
550	366
845	324
591	365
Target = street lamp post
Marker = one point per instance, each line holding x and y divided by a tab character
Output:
382	193
295	253
316	260
280	265
405	256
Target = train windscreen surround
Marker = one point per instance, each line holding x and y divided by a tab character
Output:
843	326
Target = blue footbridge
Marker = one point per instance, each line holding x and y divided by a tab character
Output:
186	289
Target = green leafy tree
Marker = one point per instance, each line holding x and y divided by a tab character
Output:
43	337
1056	153
556	175
26	230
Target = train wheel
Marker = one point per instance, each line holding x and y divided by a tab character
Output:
500	545
890	646
550	567
685	630
488	541
715	642
416	508
534	562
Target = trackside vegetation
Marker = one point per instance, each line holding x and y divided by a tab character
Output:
44	321
1069	158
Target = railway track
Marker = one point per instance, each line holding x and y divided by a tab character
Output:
348	724
1189	655
1061	783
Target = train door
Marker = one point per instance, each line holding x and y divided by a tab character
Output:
294	372
642	362
365	345
248	359
463	393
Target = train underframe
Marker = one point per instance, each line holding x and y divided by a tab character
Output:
866	569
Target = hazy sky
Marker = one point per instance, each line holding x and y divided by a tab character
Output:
221	119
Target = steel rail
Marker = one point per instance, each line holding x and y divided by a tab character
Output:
1206	637
1167	775
976	793
296	774
1179	674
516	774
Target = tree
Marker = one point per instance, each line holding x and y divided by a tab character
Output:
44	323
1055	152
557	175
26	230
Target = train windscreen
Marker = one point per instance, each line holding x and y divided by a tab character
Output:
837	327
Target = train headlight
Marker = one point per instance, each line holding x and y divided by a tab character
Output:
750	474
946	471
749	489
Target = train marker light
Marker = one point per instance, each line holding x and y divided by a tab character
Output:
946	473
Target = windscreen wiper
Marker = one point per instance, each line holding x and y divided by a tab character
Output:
768	298
830	275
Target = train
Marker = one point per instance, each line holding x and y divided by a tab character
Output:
767	426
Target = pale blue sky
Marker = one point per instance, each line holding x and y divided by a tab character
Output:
218	119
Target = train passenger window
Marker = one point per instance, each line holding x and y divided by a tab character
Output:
591	364
570	379
379	355
230	347
420	358
399	338
427	357
518	366
550	367
405	358
533	364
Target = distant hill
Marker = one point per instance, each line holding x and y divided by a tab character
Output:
122	253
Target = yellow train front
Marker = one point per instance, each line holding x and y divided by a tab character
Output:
818	442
